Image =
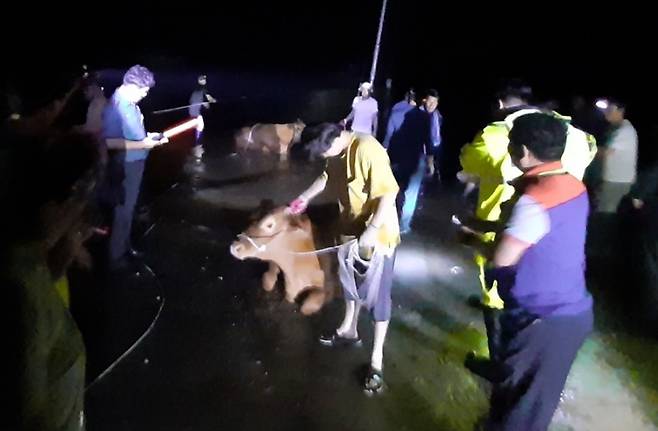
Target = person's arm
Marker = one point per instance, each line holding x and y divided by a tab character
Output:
349	117
621	140
390	129
315	188
509	251
385	203
383	189
126	144
529	224
210	99
375	123
428	147
299	205
132	126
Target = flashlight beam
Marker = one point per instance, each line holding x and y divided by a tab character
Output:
176	130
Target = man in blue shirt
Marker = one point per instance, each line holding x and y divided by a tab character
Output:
410	140
398	112
129	144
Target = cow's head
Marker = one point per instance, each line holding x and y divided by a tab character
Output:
269	235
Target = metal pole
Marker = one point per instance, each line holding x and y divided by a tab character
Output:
373	70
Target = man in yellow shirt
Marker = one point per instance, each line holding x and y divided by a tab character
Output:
358	173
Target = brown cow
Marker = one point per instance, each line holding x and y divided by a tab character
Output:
287	242
269	138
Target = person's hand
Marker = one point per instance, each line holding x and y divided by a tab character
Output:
465	178
638	204
368	238
430	166
154	139
298	206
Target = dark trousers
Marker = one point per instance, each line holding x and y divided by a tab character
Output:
197	138
122	215
492	324
537	355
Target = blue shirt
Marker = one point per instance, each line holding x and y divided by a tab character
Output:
396	119
410	135
124	120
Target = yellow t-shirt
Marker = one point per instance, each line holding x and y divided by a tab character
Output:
359	177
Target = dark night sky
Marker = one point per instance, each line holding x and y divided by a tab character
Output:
462	54
422	44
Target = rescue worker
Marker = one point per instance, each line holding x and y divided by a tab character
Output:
486	160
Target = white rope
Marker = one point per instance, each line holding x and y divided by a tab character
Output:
136	343
261	248
323	250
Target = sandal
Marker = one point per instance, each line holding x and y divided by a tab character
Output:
374	383
335	340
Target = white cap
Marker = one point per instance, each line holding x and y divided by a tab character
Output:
365	86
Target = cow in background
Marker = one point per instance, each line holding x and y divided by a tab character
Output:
269	138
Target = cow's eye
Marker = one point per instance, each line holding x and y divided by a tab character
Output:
270	226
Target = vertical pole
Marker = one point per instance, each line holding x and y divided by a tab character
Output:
373	70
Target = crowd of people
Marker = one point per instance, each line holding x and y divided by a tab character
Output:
528	230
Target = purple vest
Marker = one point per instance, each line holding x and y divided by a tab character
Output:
549	279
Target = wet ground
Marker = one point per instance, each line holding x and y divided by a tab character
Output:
225	355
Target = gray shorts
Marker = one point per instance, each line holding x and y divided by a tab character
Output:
381	310
610	195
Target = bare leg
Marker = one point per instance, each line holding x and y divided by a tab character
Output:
377	360
348	328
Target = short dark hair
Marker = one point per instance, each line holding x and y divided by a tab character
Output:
542	134
325	134
619	103
410	95
515	89
432	93
139	76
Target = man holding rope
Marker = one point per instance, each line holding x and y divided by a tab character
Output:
200	99
358	171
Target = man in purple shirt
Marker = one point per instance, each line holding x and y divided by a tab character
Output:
539	264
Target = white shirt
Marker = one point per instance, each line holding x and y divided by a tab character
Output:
364	112
620	166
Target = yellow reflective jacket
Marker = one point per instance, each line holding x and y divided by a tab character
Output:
487	159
